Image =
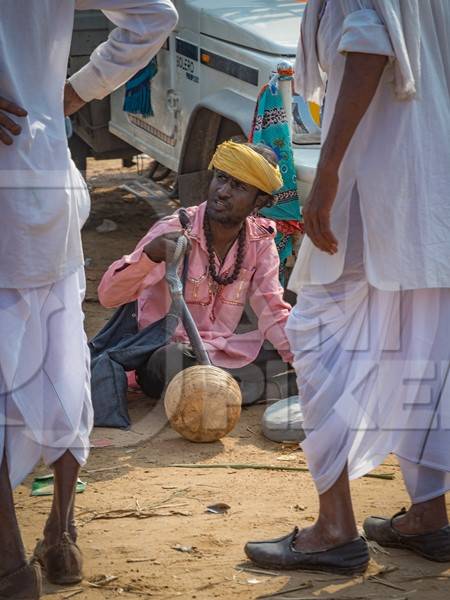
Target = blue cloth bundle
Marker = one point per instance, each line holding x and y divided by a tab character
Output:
138	92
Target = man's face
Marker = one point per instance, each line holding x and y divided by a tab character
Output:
230	201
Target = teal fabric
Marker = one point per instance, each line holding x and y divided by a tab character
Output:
138	92
270	127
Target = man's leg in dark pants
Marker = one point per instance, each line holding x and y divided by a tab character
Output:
162	366
168	361
267	368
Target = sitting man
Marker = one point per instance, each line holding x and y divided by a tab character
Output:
232	260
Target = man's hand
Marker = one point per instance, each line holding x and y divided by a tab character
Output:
72	101
7	125
317	211
162	248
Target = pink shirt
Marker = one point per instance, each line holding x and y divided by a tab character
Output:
218	314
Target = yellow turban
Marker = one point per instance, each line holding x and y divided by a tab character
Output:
243	163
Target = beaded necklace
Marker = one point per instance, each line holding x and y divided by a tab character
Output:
211	255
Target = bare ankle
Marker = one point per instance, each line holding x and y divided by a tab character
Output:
337	532
324	535
424	517
54	533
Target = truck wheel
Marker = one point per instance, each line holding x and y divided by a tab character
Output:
206	130
80	152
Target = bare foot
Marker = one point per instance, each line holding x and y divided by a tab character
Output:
426	517
319	538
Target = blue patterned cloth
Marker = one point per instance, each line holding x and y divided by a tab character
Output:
271	127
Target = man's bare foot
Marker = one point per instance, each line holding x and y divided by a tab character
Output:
319	538
426	517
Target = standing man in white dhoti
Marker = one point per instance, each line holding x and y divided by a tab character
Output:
371	330
45	409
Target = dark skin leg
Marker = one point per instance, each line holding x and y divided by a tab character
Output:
336	522
12	553
61	517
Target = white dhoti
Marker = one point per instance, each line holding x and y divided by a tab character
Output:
45	405
373	376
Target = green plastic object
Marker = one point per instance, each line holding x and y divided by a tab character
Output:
44	486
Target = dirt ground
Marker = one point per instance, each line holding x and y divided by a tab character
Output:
143	523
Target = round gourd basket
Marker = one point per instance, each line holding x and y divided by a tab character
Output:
203	403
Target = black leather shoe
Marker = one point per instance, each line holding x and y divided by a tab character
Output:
351	558
433	546
23	584
62	562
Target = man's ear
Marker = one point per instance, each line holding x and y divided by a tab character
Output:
263	201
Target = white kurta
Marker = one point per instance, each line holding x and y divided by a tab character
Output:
45	396
45	406
373	372
371	327
373	362
399	157
43	199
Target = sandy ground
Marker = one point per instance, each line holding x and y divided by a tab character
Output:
143	524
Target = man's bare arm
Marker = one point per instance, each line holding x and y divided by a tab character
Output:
360	81
72	101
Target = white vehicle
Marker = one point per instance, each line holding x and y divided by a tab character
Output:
209	75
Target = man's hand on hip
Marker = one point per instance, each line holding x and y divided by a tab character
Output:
7	125
162	248
72	101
